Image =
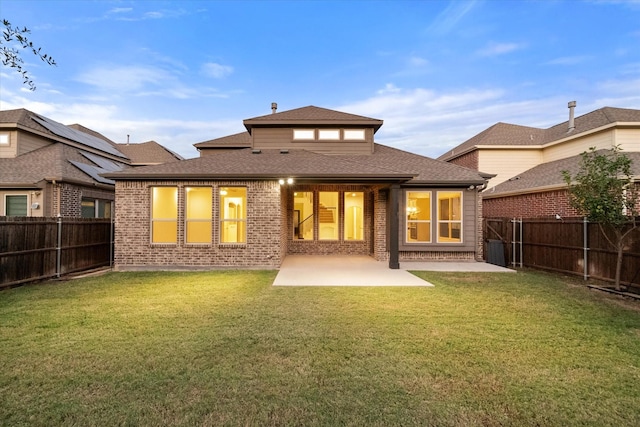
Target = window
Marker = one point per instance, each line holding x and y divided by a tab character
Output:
198	214
449	216
418	217
329	134
303	215
304	134
15	205
328	215
88	207
355	134
164	215
4	139
233	214
353	216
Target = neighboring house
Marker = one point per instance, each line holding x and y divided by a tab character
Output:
303	181
528	162
50	169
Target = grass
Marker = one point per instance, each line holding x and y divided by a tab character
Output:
226	348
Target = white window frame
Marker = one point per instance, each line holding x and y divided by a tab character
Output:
5	138
418	221
439	221
16	194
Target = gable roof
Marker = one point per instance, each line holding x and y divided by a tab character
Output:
312	116
547	176
514	135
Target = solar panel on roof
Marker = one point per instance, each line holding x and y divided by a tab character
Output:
105	164
77	136
93	172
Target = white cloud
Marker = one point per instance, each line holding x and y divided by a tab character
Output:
217	71
449	18
123	78
495	49
569	60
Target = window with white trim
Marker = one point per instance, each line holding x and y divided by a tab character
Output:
418	205
328	134
233	215
449	216
198	208
16	205
354	134
164	214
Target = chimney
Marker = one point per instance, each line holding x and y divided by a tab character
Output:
274	107
572	124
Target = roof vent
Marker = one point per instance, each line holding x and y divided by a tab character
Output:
572	123
274	107
284	151
256	151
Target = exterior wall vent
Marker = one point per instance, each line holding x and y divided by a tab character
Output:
256	151
284	151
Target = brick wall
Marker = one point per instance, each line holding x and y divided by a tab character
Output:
533	205
135	251
469	160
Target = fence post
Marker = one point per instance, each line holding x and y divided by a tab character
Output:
521	243
111	242
513	243
59	247
585	236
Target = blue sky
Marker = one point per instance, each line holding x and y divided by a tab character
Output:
436	72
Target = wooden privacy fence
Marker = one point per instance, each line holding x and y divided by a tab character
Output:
567	245
33	248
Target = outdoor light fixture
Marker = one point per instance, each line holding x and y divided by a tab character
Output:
281	181
290	181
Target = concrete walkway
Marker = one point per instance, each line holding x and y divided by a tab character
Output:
330	270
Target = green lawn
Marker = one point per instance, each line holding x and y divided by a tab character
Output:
226	348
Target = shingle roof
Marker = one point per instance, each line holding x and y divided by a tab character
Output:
149	152
238	140
548	175
50	162
311	115
515	135
385	164
59	132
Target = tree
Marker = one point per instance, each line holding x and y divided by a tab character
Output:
604	191
11	55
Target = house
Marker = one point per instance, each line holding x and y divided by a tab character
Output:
528	162
49	169
304	181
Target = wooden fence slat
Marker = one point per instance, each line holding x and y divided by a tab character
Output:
558	245
28	247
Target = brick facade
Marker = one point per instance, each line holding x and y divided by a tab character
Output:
134	250
533	205
269	229
469	160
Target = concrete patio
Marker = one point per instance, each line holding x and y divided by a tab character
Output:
330	270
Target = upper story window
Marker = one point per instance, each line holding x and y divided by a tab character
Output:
308	134
354	134
329	134
15	205
4	139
